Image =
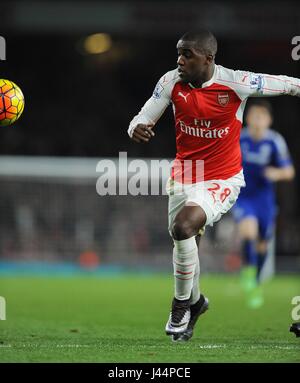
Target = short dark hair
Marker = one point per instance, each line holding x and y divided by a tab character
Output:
261	102
204	40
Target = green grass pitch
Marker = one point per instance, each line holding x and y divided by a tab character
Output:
122	319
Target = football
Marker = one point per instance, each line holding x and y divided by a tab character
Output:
11	102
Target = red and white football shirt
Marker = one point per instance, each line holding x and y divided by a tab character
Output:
208	120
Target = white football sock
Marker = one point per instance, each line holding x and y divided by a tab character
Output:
185	256
196	290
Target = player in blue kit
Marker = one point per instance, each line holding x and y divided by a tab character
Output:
266	160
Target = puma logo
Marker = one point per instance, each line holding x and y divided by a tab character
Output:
183	96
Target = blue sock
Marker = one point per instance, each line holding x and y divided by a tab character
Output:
261	258
249	253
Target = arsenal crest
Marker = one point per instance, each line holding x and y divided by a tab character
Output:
223	99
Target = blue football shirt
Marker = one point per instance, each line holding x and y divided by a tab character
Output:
271	150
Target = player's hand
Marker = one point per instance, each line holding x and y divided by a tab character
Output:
272	173
142	133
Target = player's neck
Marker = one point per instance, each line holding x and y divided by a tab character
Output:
257	135
206	77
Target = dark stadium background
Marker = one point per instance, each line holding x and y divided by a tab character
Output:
79	105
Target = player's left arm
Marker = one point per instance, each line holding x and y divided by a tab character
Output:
283	169
249	84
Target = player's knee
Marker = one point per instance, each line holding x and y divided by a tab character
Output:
248	229
262	247
249	237
183	230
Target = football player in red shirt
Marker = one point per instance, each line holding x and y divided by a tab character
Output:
208	101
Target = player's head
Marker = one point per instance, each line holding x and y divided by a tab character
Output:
259	116
196	53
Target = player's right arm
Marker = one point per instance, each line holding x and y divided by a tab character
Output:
140	128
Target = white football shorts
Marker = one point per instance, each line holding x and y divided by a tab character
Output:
216	197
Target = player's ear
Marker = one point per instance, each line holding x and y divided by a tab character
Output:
210	58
